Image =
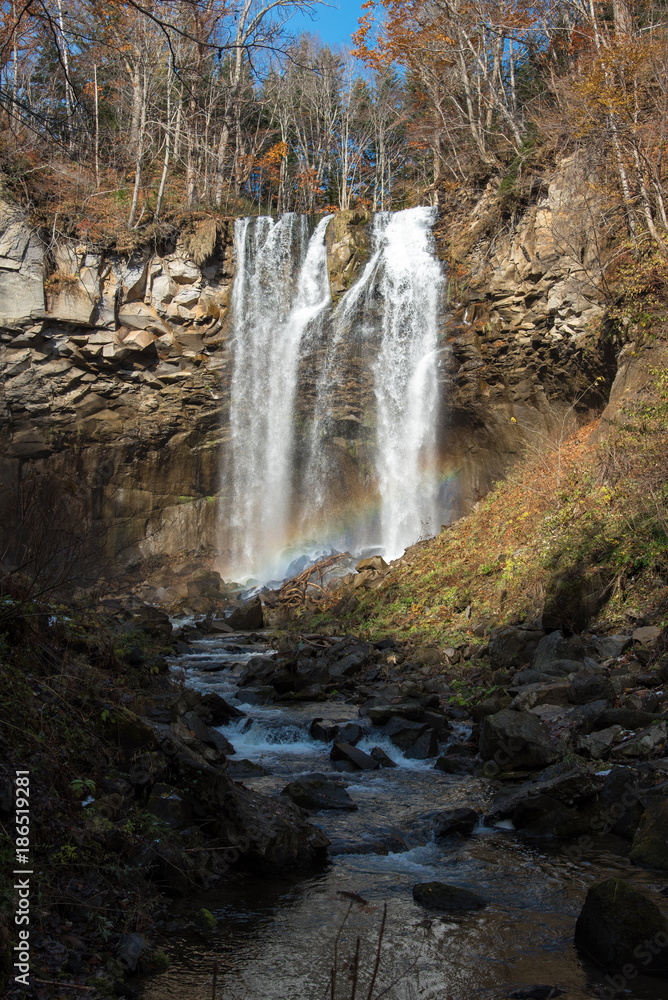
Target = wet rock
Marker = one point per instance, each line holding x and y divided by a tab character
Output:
650	843
619	925
447	898
244	768
383	759
350	733
216	711
454	764
425	746
248	616
346	754
324	731
553	804
515	741
437	721
403	733
456	821
319	792
584	689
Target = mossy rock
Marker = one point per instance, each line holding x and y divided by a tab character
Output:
128	731
619	925
205	920
650	843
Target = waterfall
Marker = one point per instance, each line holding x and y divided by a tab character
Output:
386	324
410	285
272	315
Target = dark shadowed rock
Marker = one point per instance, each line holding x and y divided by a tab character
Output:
425	746
515	741
248	616
350	733
216	711
650	843
347	754
381	712
318	792
612	645
383	759
324	731
554	647
456	821
239	769
403	733
584	689
447	898
454	764
513	647
616	925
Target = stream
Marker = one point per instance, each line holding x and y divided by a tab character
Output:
276	938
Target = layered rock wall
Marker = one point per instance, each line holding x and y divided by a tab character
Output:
115	368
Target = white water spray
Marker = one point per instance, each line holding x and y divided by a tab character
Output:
273	316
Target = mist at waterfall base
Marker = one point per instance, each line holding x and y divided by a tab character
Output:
291	485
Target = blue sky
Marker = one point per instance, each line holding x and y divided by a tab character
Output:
334	24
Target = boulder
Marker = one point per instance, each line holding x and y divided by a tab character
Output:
350	733
344	753
515	741
555	647
216	711
447	898
456	821
513	647
619	806
531	695
318	792
383	759
647	634
324	731
650	843
584	689
248	616
619	926
612	646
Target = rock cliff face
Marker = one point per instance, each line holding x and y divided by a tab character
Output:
115	369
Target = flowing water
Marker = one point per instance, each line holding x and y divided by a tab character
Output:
283	321
276	938
280	293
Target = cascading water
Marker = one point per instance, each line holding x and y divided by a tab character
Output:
281	312
273	315
405	386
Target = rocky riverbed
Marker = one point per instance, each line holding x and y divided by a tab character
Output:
485	821
482	828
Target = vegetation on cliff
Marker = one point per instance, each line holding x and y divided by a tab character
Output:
575	536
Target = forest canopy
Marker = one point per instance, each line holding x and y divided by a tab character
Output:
131	111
